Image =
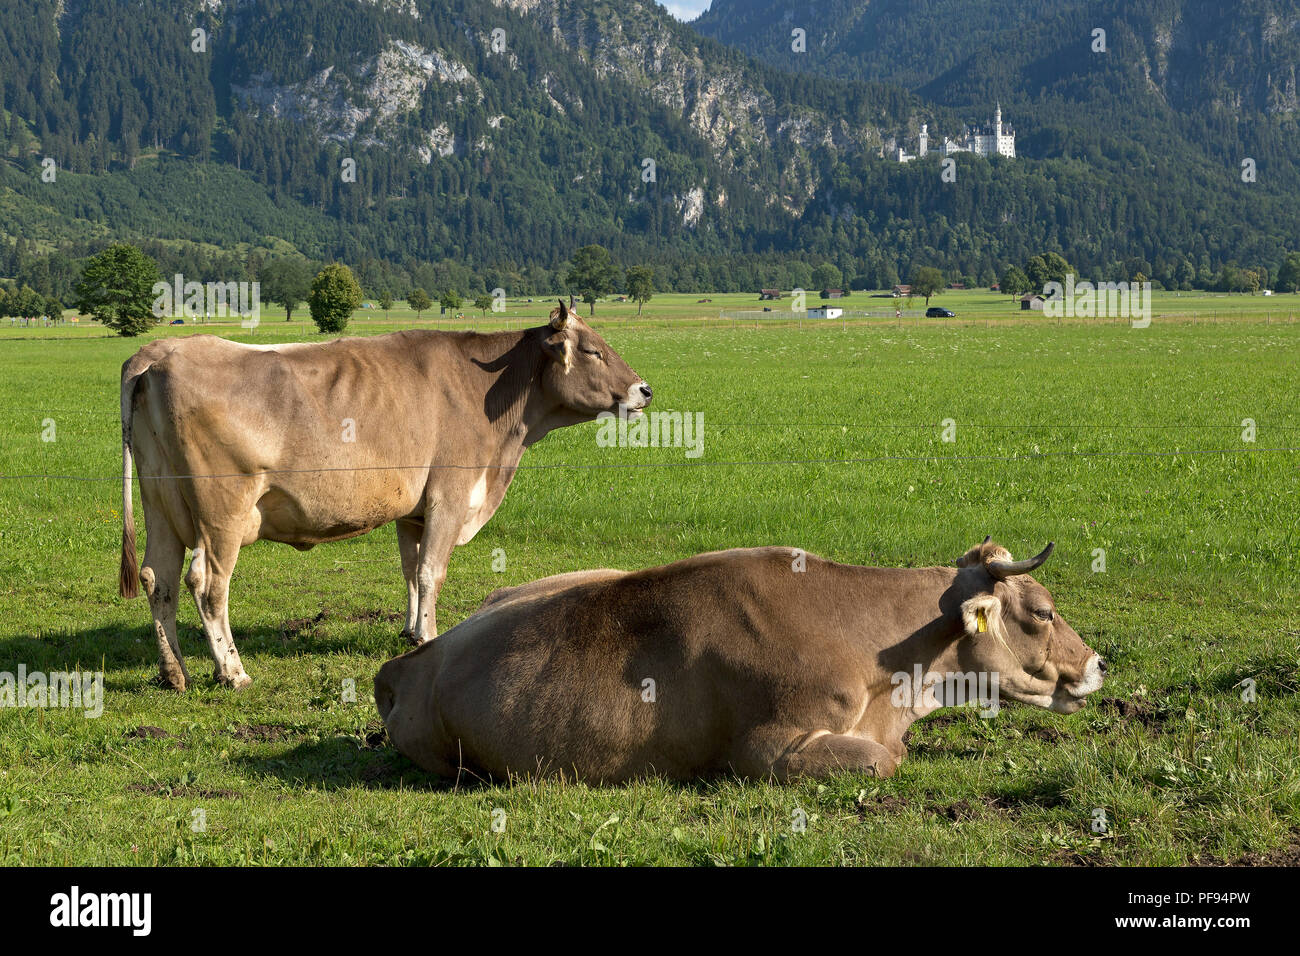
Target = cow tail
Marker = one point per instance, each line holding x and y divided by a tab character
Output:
129	574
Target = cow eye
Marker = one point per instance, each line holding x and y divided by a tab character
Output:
1044	614
595	352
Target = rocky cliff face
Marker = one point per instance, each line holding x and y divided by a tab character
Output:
384	88
722	99
371	97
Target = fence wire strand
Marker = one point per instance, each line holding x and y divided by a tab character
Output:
688	463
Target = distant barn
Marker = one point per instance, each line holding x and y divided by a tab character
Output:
766	294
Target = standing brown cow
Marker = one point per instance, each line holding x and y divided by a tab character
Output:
763	662
306	443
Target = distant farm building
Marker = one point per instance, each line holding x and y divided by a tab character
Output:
766	294
832	293
902	290
825	312
1031	300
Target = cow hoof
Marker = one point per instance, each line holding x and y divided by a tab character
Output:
172	681
238	682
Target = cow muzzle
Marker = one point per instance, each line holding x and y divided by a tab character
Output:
638	397
1072	697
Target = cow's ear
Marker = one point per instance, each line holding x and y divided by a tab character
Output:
975	556
982	613
560	350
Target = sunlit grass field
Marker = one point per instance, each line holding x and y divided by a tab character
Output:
1096	436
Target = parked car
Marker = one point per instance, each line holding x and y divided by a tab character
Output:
934	312
176	322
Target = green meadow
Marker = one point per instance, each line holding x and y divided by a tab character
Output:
1162	461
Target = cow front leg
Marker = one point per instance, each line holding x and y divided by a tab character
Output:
825	754
209	581
408	545
435	549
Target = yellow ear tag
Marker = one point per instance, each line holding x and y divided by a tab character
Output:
982	619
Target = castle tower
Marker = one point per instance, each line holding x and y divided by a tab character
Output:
924	139
997	121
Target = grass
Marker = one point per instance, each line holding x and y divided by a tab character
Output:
1095	436
669	310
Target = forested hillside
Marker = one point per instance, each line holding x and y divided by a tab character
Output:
475	137
1187	80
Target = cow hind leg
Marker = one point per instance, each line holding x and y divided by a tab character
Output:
161	577
825	754
408	544
209	581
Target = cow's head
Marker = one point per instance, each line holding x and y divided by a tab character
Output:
1012	627
585	375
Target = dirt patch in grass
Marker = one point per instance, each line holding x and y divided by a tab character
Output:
147	732
881	804
1065	857
296	626
1288	855
1049	734
376	735
970	809
262	733
299	625
949	716
961	810
1135	710
182	790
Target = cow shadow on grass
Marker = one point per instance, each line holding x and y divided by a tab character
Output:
115	648
345	762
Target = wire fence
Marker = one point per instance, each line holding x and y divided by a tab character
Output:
828	316
683	463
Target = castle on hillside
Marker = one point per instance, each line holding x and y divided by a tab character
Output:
991	139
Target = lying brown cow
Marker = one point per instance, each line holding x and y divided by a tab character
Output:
732	661
307	443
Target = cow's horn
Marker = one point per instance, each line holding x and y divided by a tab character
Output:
1004	569
560	317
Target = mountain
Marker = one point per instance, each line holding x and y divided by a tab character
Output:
545	139
478	142
1201	78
